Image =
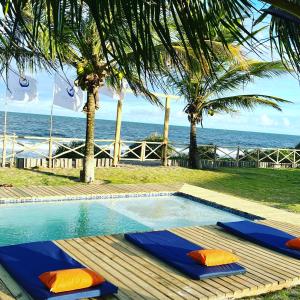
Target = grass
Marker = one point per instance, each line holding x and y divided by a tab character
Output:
287	294
278	188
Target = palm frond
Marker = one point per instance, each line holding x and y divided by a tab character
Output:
248	102
137	24
240	74
284	29
290	6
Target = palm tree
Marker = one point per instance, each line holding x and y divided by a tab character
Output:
143	23
144	17
284	31
135	26
83	50
83	47
205	94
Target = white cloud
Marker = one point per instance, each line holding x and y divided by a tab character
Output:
286	122
265	120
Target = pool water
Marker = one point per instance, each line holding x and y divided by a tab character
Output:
20	223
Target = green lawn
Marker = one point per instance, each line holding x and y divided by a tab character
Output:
288	294
279	188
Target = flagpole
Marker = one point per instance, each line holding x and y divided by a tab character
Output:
5	110
4	135
50	165
51	122
5	119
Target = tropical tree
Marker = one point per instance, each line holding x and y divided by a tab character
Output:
134	25
206	94
81	48
284	29
142	17
84	51
99	51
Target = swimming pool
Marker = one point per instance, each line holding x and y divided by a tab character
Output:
27	222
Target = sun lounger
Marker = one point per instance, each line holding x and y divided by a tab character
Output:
173	250
262	235
25	262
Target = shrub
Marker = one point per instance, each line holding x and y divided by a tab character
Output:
206	152
137	148
268	156
248	155
75	144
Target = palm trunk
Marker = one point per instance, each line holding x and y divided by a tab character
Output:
88	174
193	151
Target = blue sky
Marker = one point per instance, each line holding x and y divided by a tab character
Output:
139	110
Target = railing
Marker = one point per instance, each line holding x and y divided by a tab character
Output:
31	151
211	156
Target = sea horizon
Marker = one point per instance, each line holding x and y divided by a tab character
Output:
40	123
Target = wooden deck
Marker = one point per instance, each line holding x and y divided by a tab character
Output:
141	276
49	192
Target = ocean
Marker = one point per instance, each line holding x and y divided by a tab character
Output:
38	125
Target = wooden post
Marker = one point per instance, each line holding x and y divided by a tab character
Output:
166	133
215	156
117	145
50	164
4	151
143	151
13	154
277	158
238	157
4	139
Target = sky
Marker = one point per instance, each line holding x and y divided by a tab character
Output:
138	109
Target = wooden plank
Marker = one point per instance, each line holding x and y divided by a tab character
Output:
290	228
144	274
248	245
141	276
252	252
164	270
132	277
254	256
137	260
122	275
247	262
90	261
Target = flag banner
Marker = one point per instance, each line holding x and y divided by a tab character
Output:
110	92
21	88
66	95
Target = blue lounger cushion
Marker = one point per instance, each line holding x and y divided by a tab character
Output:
25	262
263	235
173	250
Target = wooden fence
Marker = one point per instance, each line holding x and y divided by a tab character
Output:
211	156
30	152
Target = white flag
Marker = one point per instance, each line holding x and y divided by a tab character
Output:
66	95
20	88
110	92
